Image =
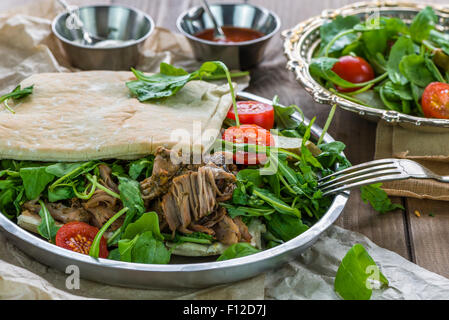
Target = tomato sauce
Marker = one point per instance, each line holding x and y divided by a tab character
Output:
233	35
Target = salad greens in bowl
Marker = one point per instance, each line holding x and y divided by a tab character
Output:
254	197
383	61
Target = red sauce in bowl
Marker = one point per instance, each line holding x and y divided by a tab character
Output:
233	35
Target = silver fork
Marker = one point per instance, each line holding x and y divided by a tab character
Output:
373	172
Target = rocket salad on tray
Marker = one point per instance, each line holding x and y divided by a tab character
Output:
385	63
258	191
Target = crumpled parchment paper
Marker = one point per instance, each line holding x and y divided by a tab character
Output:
27	46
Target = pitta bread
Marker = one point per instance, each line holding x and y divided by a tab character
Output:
90	115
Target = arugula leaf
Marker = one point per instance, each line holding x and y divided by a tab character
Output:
195	237
131	196
235	211
357	268
283	115
35	179
285	227
378	198
145	165
147	222
60	193
415	69
331	154
158	85
125	248
94	250
331	29
47	228
275	202
114	255
61	169
403	47
17	94
170	80
142	242
250	175
422	24
6	199
149	250
238	250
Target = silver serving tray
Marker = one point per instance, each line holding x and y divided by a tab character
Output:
191	272
301	41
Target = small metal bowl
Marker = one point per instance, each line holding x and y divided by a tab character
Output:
241	55
301	42
112	22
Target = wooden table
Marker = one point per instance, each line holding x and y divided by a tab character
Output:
423	240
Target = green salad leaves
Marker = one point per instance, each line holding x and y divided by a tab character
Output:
406	59
17	94
358	275
170	79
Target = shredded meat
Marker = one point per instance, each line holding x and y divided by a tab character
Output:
102	207
186	197
243	230
193	196
227	231
163	170
59	211
106	179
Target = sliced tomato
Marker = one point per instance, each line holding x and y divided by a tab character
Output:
354	70
435	100
253	112
249	134
78	237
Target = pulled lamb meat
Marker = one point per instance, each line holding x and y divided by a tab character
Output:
106	178
186	197
102	207
192	196
59	211
163	170
230	231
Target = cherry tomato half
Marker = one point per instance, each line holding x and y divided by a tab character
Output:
249	134
353	69
435	100
253	112
78	237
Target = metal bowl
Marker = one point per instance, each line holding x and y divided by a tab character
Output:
301	41
188	273
241	55
112	22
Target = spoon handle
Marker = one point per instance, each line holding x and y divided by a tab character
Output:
78	23
218	31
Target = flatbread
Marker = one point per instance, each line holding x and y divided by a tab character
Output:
90	115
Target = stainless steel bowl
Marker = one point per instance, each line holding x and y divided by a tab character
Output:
112	22
187	272
301	41
242	55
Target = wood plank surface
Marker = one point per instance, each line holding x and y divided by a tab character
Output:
424	240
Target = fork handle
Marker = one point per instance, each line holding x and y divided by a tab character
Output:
443	179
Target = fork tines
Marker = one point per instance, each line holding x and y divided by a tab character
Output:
359	175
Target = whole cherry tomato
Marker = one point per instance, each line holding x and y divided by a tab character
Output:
253	112
435	100
354	70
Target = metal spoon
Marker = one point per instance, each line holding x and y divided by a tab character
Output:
78	24
218	32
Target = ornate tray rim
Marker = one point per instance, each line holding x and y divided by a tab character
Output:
296	37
